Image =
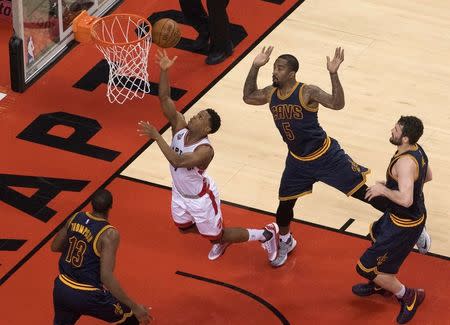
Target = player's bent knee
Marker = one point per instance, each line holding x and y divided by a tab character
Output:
365	273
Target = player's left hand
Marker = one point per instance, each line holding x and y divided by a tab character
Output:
333	65
145	128
375	190
163	60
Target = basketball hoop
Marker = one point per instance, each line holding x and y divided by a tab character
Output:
125	41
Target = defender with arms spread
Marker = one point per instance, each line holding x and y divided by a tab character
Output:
313	156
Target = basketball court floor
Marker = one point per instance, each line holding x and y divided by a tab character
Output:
395	64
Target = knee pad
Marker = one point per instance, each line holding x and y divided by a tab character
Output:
285	212
369	274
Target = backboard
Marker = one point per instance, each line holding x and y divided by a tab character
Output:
43	32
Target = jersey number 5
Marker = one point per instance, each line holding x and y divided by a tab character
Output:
75	253
288	131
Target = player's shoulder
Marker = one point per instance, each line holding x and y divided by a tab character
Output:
407	160
204	145
268	91
110	234
308	88
179	123
179	130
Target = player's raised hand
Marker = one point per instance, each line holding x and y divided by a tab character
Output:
263	57
163	60
145	128
333	65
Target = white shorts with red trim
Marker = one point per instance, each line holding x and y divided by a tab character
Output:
203	211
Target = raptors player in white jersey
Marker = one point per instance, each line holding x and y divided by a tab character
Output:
195	199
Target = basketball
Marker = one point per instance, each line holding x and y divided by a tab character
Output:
166	33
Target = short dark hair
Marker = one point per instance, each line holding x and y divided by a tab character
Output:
291	60
412	127
214	120
102	201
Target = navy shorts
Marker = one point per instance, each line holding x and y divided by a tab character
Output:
71	303
393	239
334	168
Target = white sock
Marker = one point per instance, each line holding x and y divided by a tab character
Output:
401	293
286	237
256	234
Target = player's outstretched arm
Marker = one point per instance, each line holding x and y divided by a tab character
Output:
175	118
336	100
253	95
107	246
200	158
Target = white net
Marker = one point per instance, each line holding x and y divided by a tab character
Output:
125	41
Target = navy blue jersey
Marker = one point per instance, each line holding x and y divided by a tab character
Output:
417	210
298	124
80	260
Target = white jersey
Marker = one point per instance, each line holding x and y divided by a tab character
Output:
188	181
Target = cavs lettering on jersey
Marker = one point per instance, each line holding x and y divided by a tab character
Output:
79	263
416	213
298	124
188	181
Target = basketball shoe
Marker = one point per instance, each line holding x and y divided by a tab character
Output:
217	251
412	299
368	289
271	243
283	250
424	242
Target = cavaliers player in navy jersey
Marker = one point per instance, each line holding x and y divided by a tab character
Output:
86	284
313	156
396	232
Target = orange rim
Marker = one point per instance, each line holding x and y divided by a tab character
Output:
137	18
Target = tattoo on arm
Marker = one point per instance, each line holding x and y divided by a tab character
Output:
337	92
314	94
250	83
253	95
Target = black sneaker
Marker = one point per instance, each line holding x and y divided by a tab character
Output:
368	289
412	299
201	43
218	56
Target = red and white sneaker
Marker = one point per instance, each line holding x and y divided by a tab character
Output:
271	244
217	251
